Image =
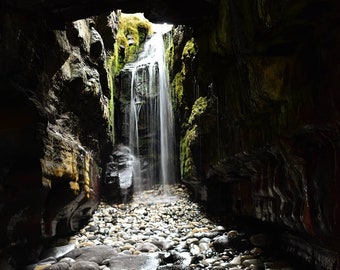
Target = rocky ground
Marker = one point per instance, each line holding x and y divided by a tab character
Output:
162	232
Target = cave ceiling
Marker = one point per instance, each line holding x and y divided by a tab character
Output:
59	11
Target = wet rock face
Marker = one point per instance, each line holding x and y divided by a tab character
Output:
267	148
118	182
54	135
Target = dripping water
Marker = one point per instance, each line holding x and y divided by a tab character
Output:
151	127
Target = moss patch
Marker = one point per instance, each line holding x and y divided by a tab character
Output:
188	170
177	85
189	49
132	32
198	109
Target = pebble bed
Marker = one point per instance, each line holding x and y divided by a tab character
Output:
172	231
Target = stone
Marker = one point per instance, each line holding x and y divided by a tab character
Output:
256	251
147	247
194	249
119	176
41	266
192	241
203	246
67	260
57	252
232	234
59	266
221	242
88	265
236	261
94	253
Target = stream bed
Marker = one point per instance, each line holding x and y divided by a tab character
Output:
156	231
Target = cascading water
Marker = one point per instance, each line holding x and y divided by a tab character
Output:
150	117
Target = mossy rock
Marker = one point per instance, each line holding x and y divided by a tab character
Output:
133	30
188	169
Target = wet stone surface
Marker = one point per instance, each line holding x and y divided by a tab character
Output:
161	232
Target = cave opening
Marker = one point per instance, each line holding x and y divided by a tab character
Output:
254	131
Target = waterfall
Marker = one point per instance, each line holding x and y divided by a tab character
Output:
150	115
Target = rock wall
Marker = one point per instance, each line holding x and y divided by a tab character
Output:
55	136
257	114
257	98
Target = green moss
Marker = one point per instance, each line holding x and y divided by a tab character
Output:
198	109
188	169
132	32
178	87
189	49
169	57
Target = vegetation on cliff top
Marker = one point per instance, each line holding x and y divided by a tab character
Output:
133	30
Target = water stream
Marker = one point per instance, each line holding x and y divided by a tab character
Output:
150	118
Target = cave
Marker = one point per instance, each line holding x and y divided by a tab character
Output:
255	95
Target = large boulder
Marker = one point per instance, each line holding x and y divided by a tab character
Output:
119	176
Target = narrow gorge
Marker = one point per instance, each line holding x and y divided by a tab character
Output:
236	114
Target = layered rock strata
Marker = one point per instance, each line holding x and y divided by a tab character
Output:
261	132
